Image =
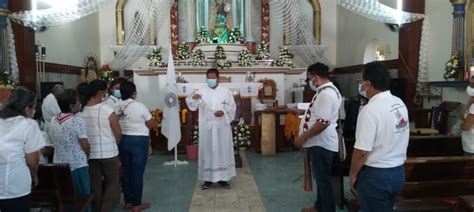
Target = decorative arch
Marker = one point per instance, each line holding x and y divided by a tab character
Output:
316	20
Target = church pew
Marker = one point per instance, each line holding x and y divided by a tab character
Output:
433	183
56	190
418	146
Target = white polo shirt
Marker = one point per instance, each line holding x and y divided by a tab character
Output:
468	135
132	116
18	136
383	131
326	107
99	132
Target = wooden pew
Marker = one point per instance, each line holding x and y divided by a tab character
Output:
56	190
434	183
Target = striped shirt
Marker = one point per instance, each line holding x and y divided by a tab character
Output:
99	131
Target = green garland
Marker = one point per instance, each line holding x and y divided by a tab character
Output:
242	134
452	68
235	35
285	58
6	80
262	51
195	135
203	35
221	58
183	51
244	58
155	57
198	58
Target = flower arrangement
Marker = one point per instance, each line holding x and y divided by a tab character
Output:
453	66
105	73
241	134
285	58
221	58
198	58
235	35
195	134
6	80
155	57
203	35
183	51
262	51
244	58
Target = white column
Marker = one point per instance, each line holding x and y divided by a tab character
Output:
235	16
191	11
248	21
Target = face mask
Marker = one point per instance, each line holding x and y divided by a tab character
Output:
212	83
312	86
361	92
117	93
470	91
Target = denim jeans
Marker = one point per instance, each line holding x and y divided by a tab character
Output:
19	204
377	188
133	154
321	165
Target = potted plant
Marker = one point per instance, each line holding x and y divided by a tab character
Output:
193	150
452	68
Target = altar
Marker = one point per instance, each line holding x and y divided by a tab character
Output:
151	83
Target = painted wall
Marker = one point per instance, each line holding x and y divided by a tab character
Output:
70	43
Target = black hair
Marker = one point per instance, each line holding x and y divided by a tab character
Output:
338	86
114	82
66	99
319	69
83	90
127	89
377	74
212	70
20	99
95	86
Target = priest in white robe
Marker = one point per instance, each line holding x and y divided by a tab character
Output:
216	149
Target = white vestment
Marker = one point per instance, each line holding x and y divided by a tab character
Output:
49	109
216	148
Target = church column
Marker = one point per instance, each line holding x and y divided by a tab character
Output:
191	11
235	17
4	58
249	40
458	27
24	46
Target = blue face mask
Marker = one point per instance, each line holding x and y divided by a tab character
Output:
362	92
312	86
117	93
212	83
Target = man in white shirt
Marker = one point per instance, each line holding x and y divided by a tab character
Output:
319	136
216	149
382	133
50	107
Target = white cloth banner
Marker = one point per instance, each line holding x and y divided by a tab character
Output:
245	89
171	125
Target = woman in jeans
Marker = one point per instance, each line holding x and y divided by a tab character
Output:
68	134
103	132
135	121
20	143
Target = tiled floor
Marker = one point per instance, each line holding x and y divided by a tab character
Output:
243	195
265	184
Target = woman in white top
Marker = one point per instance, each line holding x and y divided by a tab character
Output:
103	133
114	97
20	142
467	125
135	122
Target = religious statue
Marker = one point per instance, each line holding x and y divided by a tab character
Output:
221	32
91	71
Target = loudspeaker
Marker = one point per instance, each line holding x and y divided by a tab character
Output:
46	88
397	88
